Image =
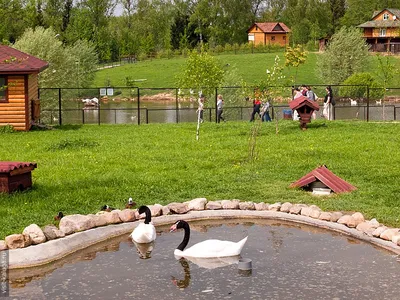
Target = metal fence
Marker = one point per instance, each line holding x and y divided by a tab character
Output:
135	105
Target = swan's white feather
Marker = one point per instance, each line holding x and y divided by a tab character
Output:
212	248
144	233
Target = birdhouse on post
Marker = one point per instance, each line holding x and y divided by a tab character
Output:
305	108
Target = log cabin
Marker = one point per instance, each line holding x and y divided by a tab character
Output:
19	98
382	32
269	33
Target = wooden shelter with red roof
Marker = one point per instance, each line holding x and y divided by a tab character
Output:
269	33
305	107
15	176
322	179
19	87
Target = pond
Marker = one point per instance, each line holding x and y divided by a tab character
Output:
290	261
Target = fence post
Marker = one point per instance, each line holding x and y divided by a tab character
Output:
367	103
83	116
98	109
176	106
216	108
59	107
147	116
138	105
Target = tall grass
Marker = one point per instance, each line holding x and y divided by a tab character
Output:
82	168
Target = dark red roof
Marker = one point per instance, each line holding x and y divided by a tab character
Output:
8	166
13	61
271	27
296	103
335	183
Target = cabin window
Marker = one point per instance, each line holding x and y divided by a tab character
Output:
382	32
3	89
273	38
386	16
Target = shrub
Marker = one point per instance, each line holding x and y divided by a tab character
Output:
6	129
357	86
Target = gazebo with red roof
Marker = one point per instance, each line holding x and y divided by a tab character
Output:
19	99
305	107
322	181
269	33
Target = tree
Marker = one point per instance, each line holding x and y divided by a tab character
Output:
68	66
201	72
346	53
356	86
294	57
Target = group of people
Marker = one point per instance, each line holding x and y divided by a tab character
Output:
262	109
306	91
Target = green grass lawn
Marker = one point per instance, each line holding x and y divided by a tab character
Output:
251	67
82	168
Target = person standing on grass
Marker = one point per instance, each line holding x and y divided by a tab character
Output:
265	112
313	97
328	103
220	106
256	106
200	109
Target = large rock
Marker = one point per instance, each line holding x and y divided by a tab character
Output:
286	207
347	220
127	215
156	210
275	207
15	241
368	227
100	219
315	213
296	209
74	223
378	231
3	245
248	205
306	211
230	204
336	215
52	232
27	240
213	205
358	217
178	208
166	211
197	204
325	216
261	206
36	234
112	217
396	239
389	233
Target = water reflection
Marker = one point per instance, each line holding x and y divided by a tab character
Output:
144	250
213	262
183	283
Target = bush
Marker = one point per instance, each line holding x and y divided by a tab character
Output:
357	86
7	129
228	48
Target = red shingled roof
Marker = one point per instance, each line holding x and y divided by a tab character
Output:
9	166
324	175
13	61
272	27
296	103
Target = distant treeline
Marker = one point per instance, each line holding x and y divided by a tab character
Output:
166	26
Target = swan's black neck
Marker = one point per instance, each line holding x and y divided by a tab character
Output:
185	241
147	211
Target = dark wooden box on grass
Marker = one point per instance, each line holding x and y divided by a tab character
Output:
15	176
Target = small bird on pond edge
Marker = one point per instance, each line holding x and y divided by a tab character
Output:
59	216
130	203
107	208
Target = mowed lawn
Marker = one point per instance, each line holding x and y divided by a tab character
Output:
81	168
161	73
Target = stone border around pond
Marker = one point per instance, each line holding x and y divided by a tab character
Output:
36	247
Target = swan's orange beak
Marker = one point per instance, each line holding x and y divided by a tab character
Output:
172	228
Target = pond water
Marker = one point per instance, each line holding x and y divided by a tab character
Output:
170	112
290	261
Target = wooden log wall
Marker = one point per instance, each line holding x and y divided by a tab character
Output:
15	112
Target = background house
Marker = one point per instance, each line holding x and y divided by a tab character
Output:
268	33
19	100
382	32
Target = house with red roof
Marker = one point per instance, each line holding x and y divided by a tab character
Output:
382	32
269	33
19	96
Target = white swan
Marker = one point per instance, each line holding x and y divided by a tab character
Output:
208	248
144	232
